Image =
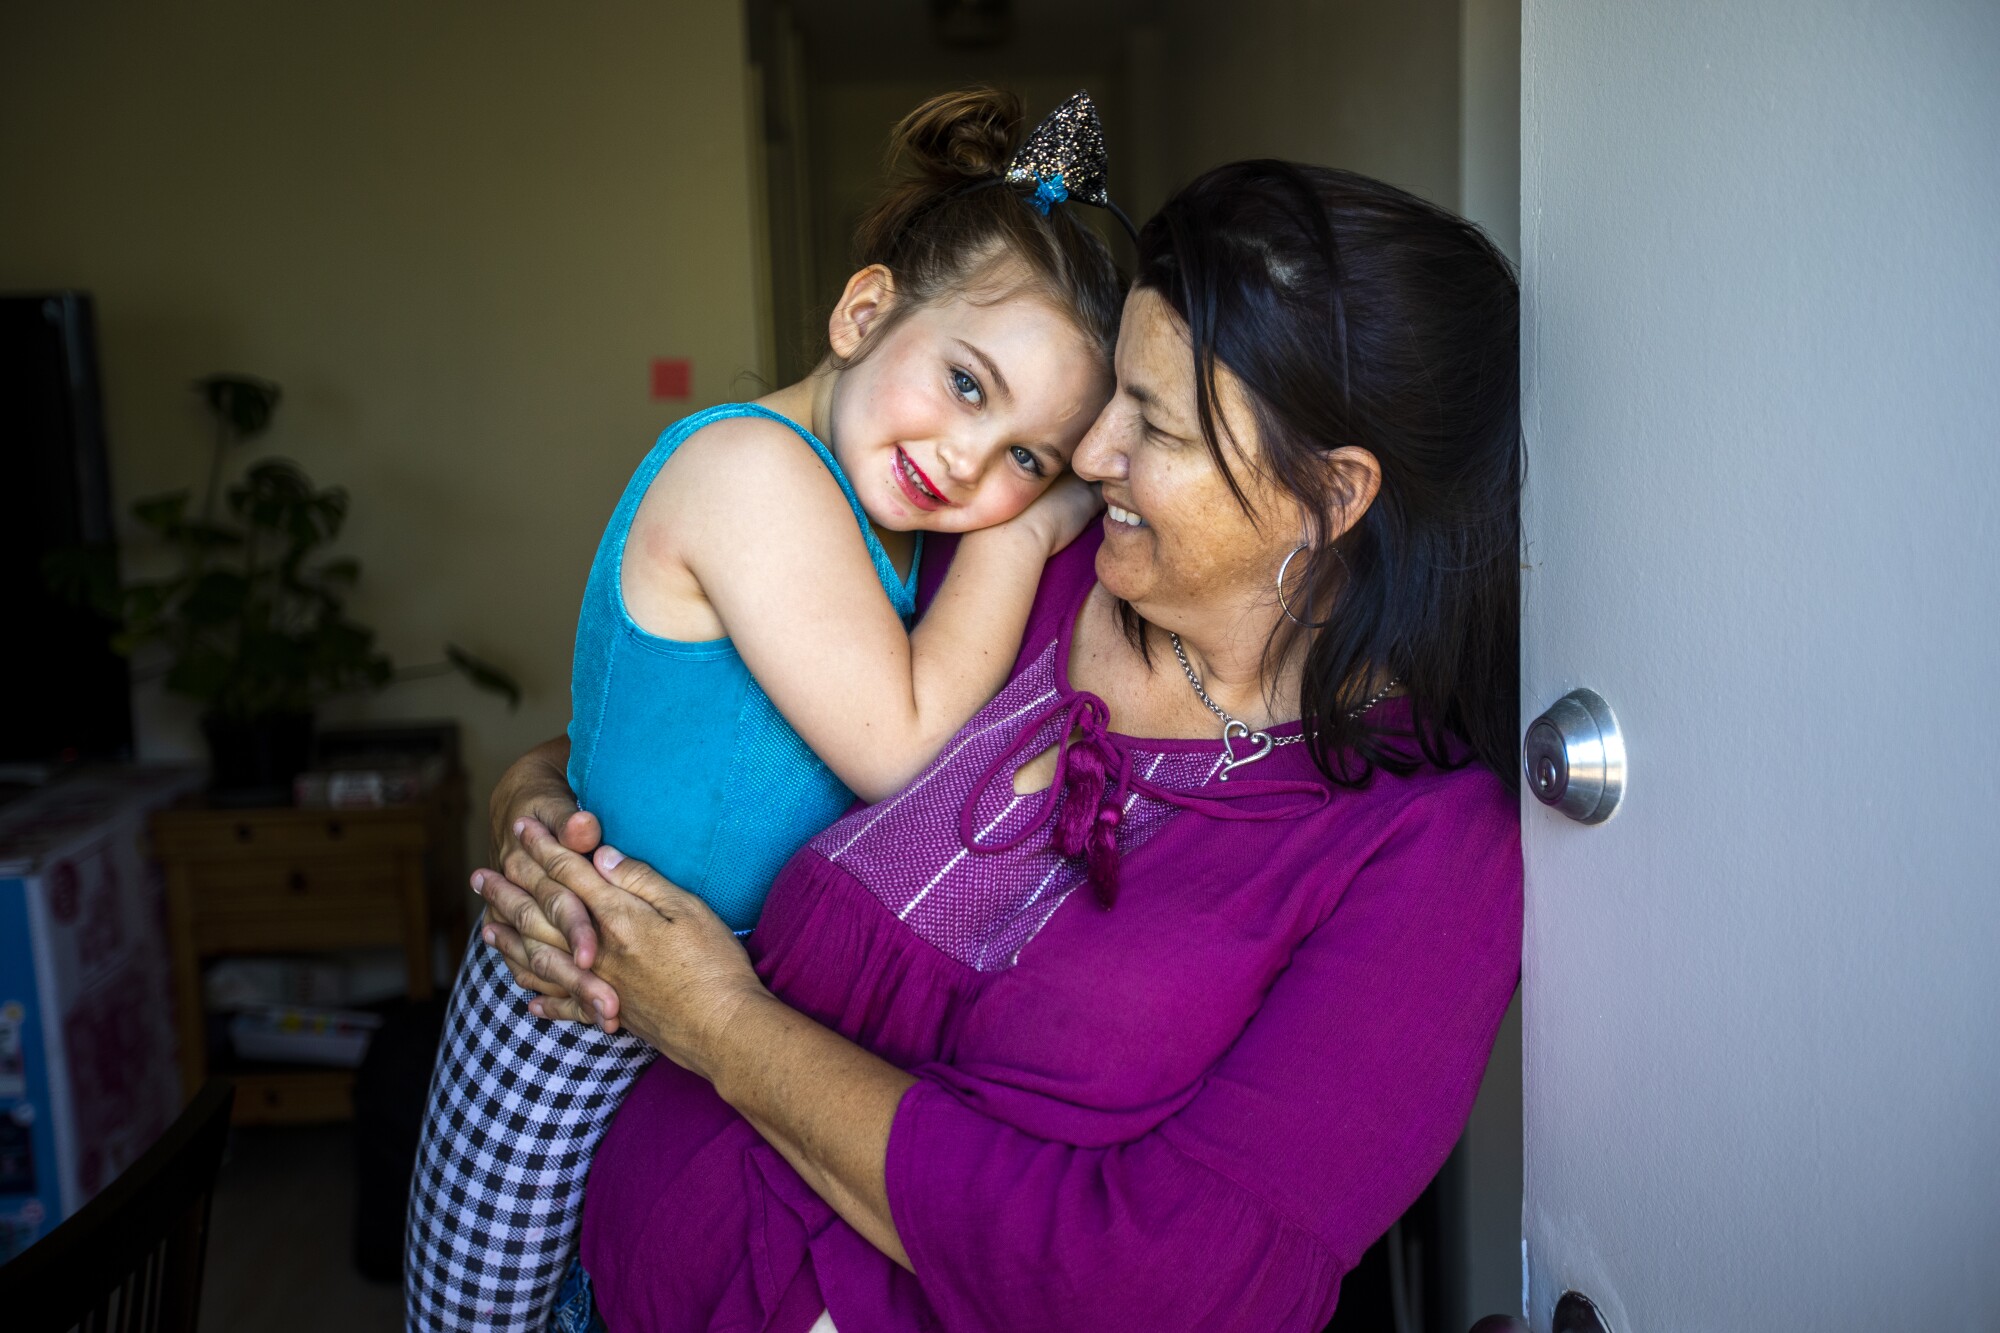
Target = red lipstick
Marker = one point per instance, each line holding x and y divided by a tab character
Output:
916	487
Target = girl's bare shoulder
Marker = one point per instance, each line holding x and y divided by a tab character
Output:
733	444
743	470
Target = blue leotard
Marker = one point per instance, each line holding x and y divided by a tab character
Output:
674	747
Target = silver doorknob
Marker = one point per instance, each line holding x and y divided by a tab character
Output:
1574	758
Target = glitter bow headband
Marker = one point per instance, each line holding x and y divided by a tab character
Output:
1063	160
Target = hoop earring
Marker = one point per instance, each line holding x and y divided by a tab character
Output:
1282	606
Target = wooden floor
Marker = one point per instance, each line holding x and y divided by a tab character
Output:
278	1253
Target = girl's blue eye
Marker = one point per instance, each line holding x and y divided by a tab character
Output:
966	386
1026	458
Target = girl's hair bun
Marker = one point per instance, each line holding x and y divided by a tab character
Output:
940	231
959	136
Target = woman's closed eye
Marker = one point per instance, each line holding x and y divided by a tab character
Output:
966	387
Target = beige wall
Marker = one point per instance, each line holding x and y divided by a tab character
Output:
455	233
1360	84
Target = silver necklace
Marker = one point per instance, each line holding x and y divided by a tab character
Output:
1235	729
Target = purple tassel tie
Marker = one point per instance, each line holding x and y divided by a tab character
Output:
1087	825
1087	793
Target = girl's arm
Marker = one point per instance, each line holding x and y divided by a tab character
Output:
769	536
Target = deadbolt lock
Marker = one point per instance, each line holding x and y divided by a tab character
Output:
1574	758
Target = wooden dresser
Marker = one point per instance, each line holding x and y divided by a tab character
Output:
295	881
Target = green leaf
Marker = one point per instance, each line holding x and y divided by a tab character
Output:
341	643
276	496
217	598
345	571
144	601
198	536
330	508
242	402
200	673
484	675
276	668
269	491
302	529
162	513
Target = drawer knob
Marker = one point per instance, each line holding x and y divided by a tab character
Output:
244	833
296	881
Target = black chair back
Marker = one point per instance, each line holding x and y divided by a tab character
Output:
130	1261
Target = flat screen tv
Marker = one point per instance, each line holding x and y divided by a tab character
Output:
64	694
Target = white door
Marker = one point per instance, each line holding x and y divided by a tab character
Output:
1761	249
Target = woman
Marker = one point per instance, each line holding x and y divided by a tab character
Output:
1264	722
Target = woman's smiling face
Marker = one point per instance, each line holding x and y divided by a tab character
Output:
1177	544
961	411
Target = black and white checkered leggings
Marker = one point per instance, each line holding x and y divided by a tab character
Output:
517	1106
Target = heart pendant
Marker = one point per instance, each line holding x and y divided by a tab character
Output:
1233	731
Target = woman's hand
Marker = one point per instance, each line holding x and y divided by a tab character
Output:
536	786
677	974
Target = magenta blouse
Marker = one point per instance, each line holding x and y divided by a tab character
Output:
1193	1109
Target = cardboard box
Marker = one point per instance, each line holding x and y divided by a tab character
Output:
88	1071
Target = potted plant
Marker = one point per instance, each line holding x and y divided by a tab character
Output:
253	623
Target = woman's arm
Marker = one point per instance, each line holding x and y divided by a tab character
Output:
1339	1101
1325	1119
820	1100
688	990
781	565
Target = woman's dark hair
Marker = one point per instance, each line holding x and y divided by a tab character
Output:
940	236
1356	314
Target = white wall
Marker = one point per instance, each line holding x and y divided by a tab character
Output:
1760	349
456	233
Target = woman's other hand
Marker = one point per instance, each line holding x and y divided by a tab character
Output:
538	955
677	972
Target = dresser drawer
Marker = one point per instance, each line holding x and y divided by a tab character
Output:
219	835
293	1098
297	902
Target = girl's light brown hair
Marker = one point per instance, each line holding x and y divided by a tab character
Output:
941	236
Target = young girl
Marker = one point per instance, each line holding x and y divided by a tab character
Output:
744	666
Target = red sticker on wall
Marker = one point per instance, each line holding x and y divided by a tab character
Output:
673	377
